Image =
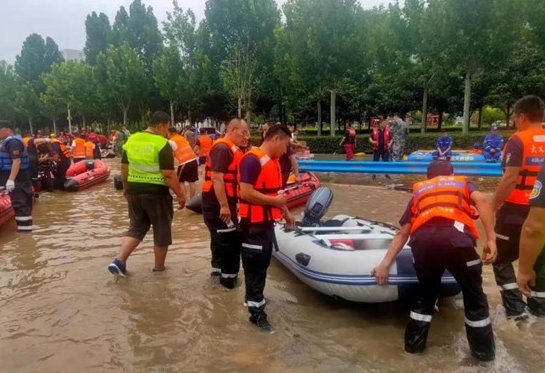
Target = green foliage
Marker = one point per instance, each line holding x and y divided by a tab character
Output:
27	103
122	77
36	58
98	35
8	89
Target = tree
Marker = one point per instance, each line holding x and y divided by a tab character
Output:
36	58
181	33
323	40
70	84
168	74
8	87
139	29
27	103
242	45
122	77
98	36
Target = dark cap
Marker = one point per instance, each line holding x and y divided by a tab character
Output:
6	124
440	168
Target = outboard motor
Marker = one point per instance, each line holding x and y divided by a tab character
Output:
90	165
317	206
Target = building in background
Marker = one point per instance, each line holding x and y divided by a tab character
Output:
72	55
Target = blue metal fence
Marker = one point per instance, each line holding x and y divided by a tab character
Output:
460	168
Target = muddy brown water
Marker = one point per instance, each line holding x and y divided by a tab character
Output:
61	311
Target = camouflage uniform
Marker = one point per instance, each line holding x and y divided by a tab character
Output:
400	133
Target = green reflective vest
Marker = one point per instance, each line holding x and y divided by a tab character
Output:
142	150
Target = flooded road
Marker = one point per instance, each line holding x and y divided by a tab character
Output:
61	311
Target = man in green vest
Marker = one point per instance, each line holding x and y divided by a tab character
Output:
147	170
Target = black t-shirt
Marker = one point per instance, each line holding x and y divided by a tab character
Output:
513	153
537	198
348	138
408	214
220	159
16	149
166	162
250	168
285	160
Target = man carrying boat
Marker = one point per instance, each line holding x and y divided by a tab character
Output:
443	236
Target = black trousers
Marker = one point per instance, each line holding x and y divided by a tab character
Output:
224	241
436	249
21	201
508	231
257	246
60	174
381	154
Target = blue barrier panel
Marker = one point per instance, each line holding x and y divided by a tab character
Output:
415	167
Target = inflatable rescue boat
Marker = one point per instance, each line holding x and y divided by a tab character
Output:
296	194
457	156
6	211
336	257
85	174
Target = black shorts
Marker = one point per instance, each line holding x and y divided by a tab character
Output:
146	210
189	172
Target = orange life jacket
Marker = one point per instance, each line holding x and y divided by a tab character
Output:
26	140
230	176
442	197
183	152
79	148
89	149
269	182
205	143
63	148
533	157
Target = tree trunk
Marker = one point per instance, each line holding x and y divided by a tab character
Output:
480	118
30	125
54	126
189	116
84	121
125	113
467	102
239	107
424	110
332	112
319	117
440	121
172	123
507	112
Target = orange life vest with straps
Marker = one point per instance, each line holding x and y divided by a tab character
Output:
533	157
79	148
89	149
269	182
63	148
183	152
205	143
230	176
442	197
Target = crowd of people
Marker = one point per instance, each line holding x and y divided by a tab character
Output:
242	198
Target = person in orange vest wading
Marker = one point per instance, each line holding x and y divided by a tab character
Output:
219	201
188	168
203	145
439	220
78	148
260	206
523	156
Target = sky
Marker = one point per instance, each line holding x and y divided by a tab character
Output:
64	20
